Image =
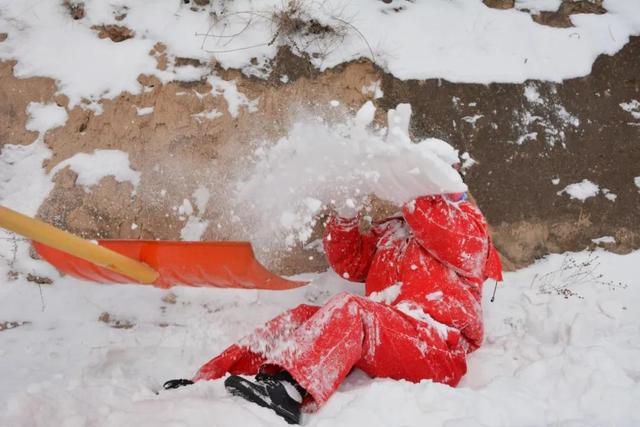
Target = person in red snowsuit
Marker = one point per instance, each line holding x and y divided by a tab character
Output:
423	271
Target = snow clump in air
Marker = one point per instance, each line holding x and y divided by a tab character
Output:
319	165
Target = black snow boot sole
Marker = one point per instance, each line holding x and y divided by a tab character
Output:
180	382
272	396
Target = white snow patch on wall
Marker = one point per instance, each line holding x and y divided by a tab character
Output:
94	106
144	111
21	171
604	239
632	107
43	117
609	195
581	190
24	185
531	136
567	117
47	42
532	95
207	115
23	182
472	119
636	181
467	160
234	98
189	73
91	168
538	5
543	116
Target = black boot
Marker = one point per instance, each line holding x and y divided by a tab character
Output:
270	391
181	382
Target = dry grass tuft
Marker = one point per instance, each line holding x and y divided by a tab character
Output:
107	318
293	26
11	325
75	8
116	33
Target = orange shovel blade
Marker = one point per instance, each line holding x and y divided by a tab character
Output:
200	264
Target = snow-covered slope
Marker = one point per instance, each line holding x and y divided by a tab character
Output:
562	347
460	40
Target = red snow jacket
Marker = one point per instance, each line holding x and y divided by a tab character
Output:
438	253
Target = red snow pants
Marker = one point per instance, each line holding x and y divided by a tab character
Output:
319	346
436	256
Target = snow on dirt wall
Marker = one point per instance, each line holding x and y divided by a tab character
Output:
562	348
24	183
468	41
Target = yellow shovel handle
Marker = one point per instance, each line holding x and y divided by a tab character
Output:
49	235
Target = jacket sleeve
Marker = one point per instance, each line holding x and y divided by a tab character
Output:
348	251
455	233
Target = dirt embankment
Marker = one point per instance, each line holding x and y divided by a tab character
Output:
176	147
523	137
531	140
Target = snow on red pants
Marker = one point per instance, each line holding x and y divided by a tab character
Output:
319	346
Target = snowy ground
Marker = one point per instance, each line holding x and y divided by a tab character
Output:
547	359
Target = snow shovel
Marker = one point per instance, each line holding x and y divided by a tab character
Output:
159	263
